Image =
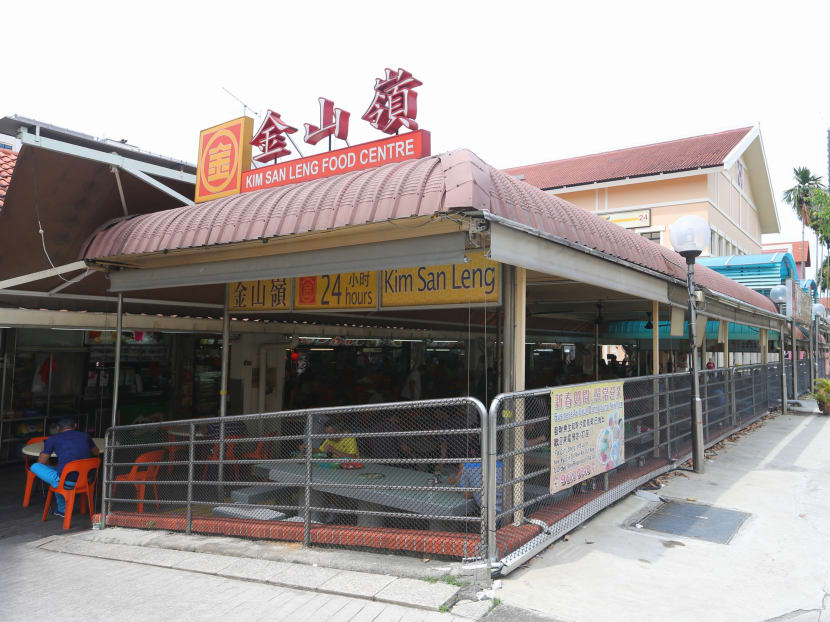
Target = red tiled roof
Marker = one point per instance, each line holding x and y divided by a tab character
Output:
669	157
7	162
797	249
446	183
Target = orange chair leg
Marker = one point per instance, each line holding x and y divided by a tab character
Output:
30	482
47	506
70	504
139	494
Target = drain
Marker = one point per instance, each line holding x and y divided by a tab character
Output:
695	520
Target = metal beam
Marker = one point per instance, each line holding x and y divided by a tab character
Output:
113	159
72	281
92	298
518	248
425	251
43	274
156	184
115	172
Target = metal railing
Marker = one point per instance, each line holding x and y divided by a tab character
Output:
409	476
657	435
348	471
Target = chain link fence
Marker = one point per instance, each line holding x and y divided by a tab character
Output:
401	476
409	477
804	384
535	506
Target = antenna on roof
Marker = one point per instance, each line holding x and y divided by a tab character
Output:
245	107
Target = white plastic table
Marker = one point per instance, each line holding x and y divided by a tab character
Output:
437	503
35	449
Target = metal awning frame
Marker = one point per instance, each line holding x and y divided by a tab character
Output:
141	170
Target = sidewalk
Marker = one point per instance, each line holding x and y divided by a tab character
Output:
75	577
776	567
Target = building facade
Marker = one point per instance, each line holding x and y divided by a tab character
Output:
721	177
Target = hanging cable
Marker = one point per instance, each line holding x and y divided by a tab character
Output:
37	215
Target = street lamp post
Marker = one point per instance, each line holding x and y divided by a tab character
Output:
778	295
690	236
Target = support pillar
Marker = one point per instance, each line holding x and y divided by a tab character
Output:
223	391
783	361
725	326
519	300
655	371
764	345
119	327
794	354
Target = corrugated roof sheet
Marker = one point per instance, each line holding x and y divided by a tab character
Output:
7	161
760	272
668	157
450	182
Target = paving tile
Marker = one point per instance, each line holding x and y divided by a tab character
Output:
203	562
391	613
415	593
349	611
472	609
369	612
249	569
300	576
351	583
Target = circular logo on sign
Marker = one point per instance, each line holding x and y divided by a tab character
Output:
218	165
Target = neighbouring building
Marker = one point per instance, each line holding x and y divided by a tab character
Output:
721	177
799	250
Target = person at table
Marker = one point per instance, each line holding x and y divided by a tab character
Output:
469	476
344	447
68	445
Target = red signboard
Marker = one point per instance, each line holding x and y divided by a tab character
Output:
368	155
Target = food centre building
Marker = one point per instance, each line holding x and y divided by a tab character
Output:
383	280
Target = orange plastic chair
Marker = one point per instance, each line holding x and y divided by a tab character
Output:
30	477
261	452
173	450
230	454
147	475
82	485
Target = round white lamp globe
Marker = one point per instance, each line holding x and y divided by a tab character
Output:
689	236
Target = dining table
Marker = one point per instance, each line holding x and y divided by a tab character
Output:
35	449
370	498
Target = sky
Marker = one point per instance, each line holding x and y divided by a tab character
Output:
517	83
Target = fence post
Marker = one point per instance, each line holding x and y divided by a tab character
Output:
733	385
492	493
191	455
307	501
107	471
705	405
668	417
486	499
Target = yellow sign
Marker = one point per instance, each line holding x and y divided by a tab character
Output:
587	435
630	220
463	283
224	154
267	295
345	290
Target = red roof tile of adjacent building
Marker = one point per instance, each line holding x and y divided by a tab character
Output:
446	183
673	156
7	162
799	250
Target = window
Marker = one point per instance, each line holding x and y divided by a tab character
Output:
654	236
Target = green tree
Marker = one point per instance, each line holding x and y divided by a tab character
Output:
798	197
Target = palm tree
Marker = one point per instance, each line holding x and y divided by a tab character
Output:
799	197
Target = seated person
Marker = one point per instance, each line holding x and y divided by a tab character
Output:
469	476
345	447
68	445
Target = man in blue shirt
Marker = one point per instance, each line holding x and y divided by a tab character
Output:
68	445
